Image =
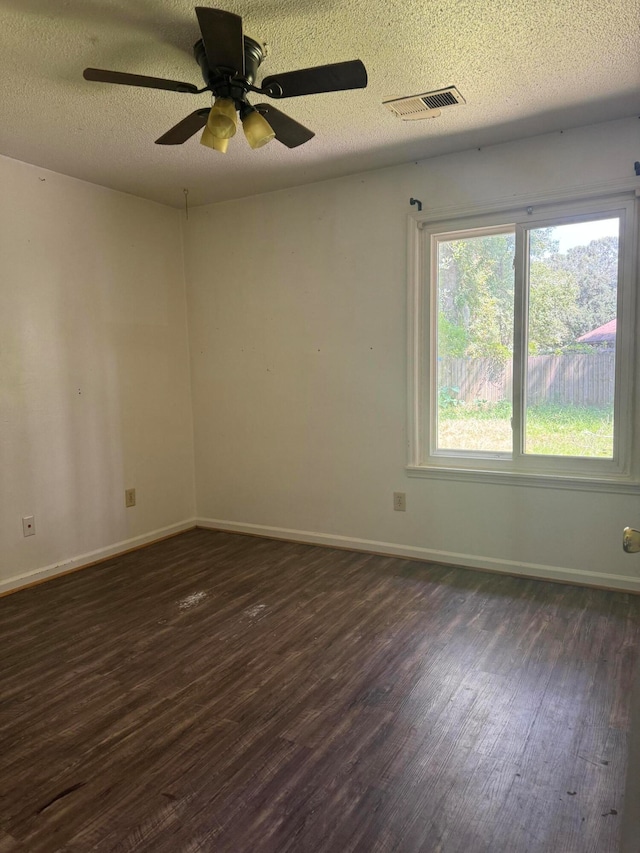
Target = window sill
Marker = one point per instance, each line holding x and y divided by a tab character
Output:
621	486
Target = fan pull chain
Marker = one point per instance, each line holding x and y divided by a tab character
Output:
186	202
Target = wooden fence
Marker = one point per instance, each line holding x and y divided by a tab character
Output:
581	379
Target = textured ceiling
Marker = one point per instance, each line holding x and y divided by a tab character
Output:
523	66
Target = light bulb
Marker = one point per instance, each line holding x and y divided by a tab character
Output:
257	129
212	141
222	121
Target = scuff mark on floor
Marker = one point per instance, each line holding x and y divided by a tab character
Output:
192	600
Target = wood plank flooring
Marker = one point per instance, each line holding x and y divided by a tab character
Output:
216	692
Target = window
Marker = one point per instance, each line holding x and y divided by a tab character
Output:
522	342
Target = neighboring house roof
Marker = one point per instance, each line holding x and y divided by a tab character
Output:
603	334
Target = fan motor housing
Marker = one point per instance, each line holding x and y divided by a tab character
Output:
215	78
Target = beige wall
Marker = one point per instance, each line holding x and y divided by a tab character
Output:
298	339
94	375
298	331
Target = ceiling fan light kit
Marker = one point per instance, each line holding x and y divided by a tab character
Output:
223	120
257	129
214	142
229	63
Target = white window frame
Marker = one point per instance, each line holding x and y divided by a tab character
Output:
616	474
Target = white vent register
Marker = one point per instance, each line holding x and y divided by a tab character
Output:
427	105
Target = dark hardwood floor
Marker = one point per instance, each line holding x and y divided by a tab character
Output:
216	692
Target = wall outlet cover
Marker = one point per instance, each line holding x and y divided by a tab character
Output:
400	501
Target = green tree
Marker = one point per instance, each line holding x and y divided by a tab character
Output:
570	293
552	304
452	339
594	268
542	244
476	295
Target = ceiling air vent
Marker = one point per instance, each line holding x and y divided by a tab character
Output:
427	105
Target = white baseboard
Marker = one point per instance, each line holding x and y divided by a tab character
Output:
92	557
534	570
511	567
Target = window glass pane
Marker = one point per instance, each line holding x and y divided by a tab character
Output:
571	339
475	287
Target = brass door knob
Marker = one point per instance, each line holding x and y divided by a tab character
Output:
631	540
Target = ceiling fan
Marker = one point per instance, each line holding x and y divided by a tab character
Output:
229	61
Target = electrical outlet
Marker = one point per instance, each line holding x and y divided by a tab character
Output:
400	501
129	497
29	525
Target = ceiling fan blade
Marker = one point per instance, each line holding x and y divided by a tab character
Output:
102	76
288	131
222	38
312	81
185	129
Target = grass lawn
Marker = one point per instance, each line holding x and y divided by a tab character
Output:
551	430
